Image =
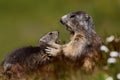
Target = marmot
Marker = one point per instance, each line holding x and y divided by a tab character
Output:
22	61
83	50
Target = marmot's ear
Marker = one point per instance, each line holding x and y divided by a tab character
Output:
90	23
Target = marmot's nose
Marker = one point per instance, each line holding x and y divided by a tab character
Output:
61	21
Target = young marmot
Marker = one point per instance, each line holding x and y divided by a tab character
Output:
18	64
83	50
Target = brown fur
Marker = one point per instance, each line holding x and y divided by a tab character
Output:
83	49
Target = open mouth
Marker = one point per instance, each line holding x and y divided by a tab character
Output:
69	29
57	39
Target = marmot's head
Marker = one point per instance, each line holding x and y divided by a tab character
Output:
50	37
77	21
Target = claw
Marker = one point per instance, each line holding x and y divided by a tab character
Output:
47	50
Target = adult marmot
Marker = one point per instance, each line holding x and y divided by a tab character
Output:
22	61
83	50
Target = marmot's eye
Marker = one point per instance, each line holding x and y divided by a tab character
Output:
72	16
50	33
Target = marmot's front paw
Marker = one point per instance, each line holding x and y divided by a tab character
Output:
51	43
52	51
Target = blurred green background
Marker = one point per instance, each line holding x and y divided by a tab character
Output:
22	22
